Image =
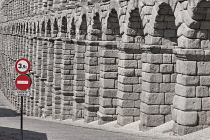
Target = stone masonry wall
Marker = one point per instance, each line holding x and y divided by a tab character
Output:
107	60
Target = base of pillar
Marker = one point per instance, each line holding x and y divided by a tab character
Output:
183	130
88	119
103	118
123	120
144	128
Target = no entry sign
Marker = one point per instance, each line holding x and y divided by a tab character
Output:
22	65
23	82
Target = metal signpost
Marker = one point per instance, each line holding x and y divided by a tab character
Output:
22	82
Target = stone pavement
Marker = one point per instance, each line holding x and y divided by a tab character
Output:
43	130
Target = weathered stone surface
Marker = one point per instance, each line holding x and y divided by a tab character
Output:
111	60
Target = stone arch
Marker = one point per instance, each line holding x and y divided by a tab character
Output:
24	28
43	28
95	27
82	28
73	29
18	28
9	28
13	29
55	28
21	28
64	27
112	29
133	31
27	28
33	29
114	5
48	28
37	28
163	27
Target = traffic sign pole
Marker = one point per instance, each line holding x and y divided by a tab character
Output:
21	119
22	82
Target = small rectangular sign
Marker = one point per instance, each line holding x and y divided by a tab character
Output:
22	93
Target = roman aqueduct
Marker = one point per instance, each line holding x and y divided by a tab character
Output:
107	60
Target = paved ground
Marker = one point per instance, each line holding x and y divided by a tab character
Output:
42	130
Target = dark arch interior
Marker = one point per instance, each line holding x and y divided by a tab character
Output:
55	27
113	26
43	27
27	28
96	26
73	29
135	27
64	25
165	26
83	26
34	29
38	27
48	27
13	28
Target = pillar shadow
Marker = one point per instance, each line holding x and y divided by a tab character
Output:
14	134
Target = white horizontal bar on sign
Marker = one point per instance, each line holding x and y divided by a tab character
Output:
22	82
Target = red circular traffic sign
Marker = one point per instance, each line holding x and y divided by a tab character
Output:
22	65
23	82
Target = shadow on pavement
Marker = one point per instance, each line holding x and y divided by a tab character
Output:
14	134
4	112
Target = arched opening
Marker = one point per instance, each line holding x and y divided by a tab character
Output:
27	27
135	28
55	27
48	30
164	25
33	31
21	29
38	30
113	27
96	27
43	28
73	29
13	29
64	26
83	28
17	29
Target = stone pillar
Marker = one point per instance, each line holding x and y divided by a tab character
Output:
37	75
56	97
49	83
158	85
43	78
79	80
67	79
33	70
91	81
191	103
129	83
108	82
